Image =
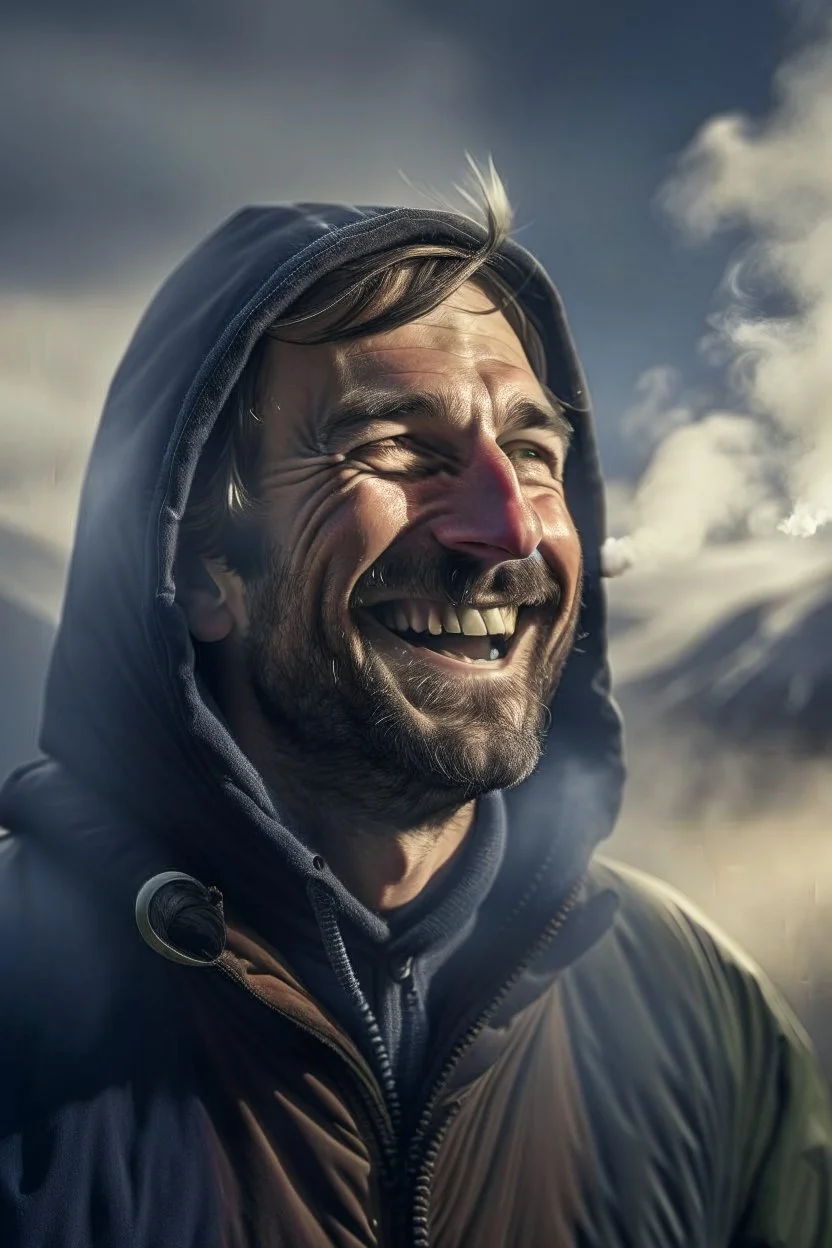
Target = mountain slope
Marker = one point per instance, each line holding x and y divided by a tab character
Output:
24	655
737	644
761	678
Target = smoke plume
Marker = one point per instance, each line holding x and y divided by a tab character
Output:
765	466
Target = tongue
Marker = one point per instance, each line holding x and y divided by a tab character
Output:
455	644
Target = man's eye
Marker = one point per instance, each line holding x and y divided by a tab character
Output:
536	454
400	450
400	443
399	446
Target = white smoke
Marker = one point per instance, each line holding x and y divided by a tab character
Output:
804	522
766	467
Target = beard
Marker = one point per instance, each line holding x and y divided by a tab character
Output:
405	743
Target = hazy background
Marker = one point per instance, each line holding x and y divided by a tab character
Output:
672	167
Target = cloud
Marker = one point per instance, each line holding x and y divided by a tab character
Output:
57	354
654	415
707	480
769	463
145	129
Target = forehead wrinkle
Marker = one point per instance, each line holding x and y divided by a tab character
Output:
463	328
467	347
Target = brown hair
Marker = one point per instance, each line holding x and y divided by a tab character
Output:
373	294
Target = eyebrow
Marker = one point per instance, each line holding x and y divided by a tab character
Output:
371	407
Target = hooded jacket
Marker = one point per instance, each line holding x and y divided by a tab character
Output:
600	1067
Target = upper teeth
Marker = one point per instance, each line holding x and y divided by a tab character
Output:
434	617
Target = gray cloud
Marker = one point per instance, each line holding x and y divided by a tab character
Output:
56	356
128	131
124	138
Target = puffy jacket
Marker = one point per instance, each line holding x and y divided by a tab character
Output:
605	1069
620	1076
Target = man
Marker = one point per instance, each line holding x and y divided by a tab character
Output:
304	940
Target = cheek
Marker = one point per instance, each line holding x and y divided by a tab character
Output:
371	516
344	533
379	509
563	532
560	544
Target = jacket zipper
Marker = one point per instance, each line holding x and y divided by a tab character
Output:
406	1055
384	1069
422	1156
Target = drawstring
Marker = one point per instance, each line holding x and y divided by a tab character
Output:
183	920
324	909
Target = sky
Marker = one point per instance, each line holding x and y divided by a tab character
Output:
129	131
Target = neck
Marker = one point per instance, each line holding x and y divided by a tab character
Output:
386	848
386	871
383	859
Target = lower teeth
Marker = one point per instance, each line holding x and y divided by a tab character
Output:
495	654
420	641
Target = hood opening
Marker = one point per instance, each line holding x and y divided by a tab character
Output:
124	713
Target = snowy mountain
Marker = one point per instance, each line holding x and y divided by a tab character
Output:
31	576
764	675
23	658
738	644
723	669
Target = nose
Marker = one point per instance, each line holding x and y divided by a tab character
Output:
487	514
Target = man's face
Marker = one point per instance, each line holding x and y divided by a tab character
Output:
412	483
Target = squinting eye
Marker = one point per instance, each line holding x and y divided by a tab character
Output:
398	442
383	446
400	446
396	453
535	453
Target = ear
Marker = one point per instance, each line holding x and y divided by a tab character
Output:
212	600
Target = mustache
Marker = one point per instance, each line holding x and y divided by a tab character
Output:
460	580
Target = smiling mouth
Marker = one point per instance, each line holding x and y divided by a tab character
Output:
479	637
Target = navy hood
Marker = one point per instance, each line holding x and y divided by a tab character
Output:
124	718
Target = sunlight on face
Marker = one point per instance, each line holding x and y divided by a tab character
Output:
407	475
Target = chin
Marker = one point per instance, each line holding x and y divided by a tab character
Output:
468	762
